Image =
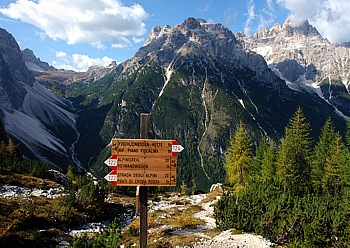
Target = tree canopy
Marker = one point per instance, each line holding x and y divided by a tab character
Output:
295	192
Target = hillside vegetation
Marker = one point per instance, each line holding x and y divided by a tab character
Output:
295	193
39	221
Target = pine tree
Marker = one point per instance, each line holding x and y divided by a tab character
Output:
322	152
293	163
239	156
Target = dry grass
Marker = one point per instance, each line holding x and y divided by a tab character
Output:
11	178
163	223
213	232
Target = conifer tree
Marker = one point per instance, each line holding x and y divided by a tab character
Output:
293	163
255	167
322	152
268	167
332	180
2	147
239	156
184	188
347	134
11	148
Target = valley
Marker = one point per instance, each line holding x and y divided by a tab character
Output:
266	115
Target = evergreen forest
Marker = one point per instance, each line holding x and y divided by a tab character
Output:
296	192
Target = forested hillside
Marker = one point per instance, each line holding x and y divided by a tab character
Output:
296	192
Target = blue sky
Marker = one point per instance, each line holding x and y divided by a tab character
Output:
75	34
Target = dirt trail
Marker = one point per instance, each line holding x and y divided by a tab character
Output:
225	239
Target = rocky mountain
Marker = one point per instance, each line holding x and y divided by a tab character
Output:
35	64
32	115
299	55
198	80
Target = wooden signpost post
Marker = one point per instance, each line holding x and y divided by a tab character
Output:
142	163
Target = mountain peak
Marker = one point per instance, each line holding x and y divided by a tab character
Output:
293	26
193	23
290	28
165	42
35	64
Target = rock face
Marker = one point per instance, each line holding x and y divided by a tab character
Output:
35	64
198	81
298	54
32	115
14	75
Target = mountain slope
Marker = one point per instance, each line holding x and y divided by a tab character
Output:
306	61
42	122
35	64
197	81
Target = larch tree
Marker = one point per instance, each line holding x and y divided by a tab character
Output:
268	165
332	180
11	147
238	159
293	162
322	152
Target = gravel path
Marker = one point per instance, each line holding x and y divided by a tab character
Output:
225	239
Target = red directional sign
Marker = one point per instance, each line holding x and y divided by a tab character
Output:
112	162
176	148
112	177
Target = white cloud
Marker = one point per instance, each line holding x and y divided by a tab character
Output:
95	22
258	19
206	7
267	15
78	62
137	40
250	16
330	17
230	15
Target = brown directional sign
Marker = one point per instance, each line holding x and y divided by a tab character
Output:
145	147
143	162
137	162
141	178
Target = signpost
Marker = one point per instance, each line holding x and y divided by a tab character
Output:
141	178
143	162
145	147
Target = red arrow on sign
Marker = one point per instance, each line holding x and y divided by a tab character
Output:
176	148
112	162
112	177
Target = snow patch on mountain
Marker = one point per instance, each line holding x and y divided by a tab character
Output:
300	56
263	50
